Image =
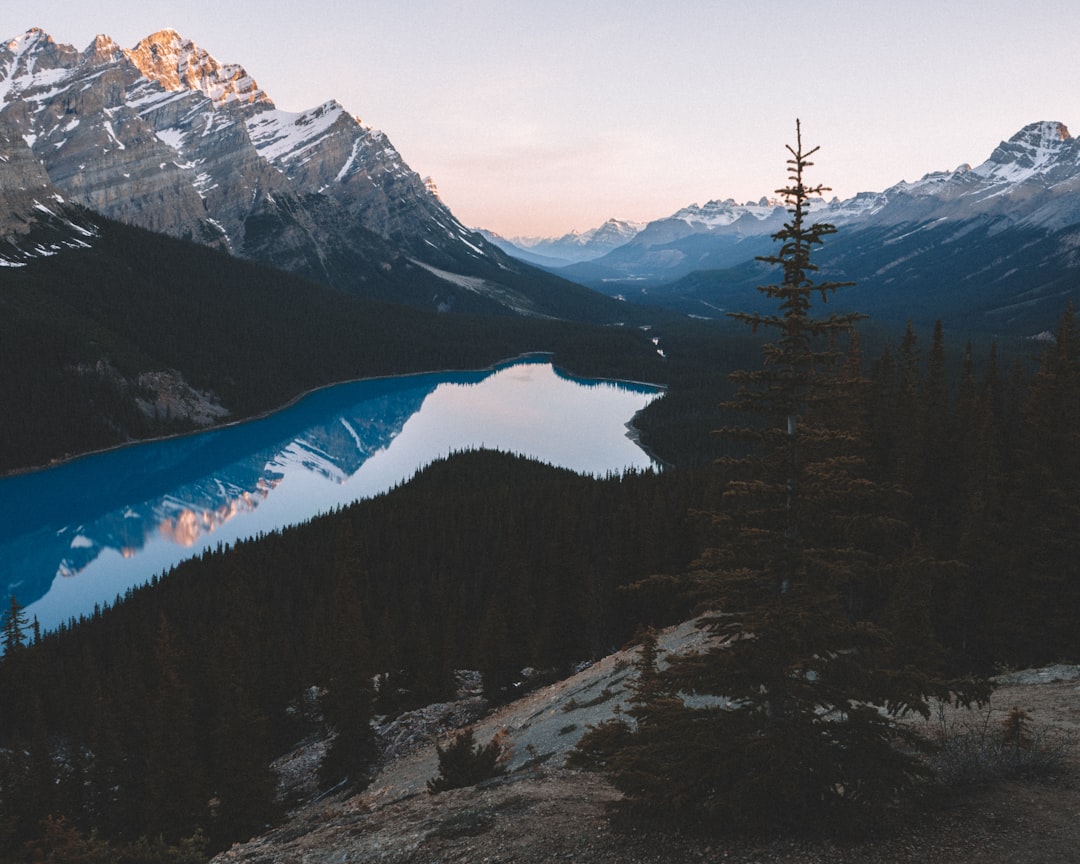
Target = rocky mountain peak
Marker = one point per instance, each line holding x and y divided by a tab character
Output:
103	50
615	232
722	213
176	63
1046	135
29	56
166	137
1033	147
1060	130
28	41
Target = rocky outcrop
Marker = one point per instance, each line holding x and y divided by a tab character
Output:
23	184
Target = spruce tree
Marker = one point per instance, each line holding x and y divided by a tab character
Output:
346	673
463	762
14	631
173	776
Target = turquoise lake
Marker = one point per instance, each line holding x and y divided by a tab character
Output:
83	532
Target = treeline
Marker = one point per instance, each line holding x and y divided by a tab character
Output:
989	459
983	444
159	716
77	329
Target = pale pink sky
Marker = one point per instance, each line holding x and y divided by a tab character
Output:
542	117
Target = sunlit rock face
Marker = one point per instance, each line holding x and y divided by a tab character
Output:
166	137
179	64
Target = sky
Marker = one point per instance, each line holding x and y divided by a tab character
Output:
538	117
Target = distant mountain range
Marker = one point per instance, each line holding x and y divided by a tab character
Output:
570	248
995	248
165	137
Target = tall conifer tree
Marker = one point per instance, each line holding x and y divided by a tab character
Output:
14	630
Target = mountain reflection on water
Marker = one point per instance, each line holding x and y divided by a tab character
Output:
84	532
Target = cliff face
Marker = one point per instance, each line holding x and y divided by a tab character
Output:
27	194
23	185
34	219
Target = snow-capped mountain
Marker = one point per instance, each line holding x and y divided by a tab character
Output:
572	247
165	137
1010	225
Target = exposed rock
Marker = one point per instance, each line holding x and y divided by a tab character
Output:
167	138
30	202
411	731
542	812
172	398
179	64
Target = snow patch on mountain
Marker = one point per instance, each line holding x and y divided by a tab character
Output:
172	137
284	136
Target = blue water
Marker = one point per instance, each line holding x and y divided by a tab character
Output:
84	532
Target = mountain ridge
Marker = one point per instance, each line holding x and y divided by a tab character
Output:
1013	219
177	64
1032	152
165	137
572	247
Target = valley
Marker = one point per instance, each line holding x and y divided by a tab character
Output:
221	300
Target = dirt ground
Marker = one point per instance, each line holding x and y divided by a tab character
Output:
542	812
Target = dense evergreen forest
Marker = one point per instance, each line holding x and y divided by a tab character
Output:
144	732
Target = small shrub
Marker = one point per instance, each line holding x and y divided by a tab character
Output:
464	763
1016	729
977	752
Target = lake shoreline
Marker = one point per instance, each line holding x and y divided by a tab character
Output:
528	356
115	517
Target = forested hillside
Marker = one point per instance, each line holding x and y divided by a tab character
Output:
861	568
184	692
